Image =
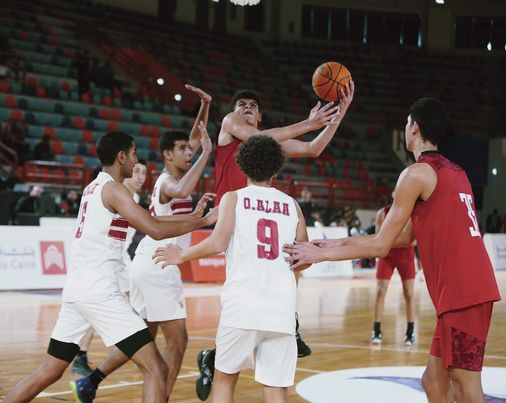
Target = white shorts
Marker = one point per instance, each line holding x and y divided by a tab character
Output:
155	293
276	354
113	319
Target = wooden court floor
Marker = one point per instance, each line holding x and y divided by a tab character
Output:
335	316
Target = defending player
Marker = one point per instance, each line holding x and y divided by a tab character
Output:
91	296
259	294
437	195
401	259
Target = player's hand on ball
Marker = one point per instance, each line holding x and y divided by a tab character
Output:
204	96
346	96
166	255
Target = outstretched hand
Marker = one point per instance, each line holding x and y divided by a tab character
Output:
202	204
322	115
302	253
204	96
346	96
168	254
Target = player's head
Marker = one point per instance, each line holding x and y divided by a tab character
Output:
175	149
428	117
138	176
260	158
246	103
117	147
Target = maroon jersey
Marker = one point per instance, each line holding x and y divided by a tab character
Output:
399	254
227	174
456	265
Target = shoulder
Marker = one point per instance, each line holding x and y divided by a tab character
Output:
419	171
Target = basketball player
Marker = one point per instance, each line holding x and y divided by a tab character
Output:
91	296
401	259
155	294
238	126
437	195
257	319
80	365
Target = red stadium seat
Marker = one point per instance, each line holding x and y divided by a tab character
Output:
57	147
166	122
104	113
112	126
17	114
10	102
87	136
50	131
92	150
40	91
78	122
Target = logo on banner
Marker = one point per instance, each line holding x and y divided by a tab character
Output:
386	385
53	257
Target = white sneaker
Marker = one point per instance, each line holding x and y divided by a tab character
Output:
410	340
376	338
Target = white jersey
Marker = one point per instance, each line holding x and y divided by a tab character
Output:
97	248
126	261
175	207
260	290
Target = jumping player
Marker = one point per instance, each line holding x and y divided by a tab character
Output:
437	195
91	296
259	294
401	259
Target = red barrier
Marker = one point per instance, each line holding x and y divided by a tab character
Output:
207	270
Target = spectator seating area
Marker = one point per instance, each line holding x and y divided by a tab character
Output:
357	168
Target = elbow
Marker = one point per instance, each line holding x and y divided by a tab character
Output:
156	235
313	153
381	251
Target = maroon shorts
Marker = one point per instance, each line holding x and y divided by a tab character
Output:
405	267
461	335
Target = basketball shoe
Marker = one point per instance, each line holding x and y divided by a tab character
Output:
205	362
376	338
80	365
83	390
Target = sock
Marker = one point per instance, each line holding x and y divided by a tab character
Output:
81	353
410	329
96	377
377	328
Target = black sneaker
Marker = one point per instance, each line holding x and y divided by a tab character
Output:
409	341
303	350
376	338
205	362
80	366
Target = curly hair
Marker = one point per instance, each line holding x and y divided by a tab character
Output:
260	158
245	94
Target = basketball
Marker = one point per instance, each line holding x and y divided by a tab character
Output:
329	78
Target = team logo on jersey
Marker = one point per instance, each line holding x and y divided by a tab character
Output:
52	255
386	385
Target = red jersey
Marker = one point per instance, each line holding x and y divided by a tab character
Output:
399	254
456	265
227	174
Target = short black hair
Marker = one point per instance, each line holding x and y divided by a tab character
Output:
260	158
110	144
142	162
432	119
168	140
245	94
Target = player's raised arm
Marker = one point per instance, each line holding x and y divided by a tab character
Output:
117	198
202	116
238	127
182	188
313	148
216	243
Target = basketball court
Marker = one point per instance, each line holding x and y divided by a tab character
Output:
335	315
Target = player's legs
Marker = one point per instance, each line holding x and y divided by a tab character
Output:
379	305
303	350
407	272
58	358
80	365
176	340
275	395
468	385
223	387
436	382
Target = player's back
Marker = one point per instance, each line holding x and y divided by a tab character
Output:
457	268
260	290
97	247
228	175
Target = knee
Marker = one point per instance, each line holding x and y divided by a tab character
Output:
430	384
178	341
381	291
408	295
51	373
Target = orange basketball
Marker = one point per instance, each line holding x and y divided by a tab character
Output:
329	78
